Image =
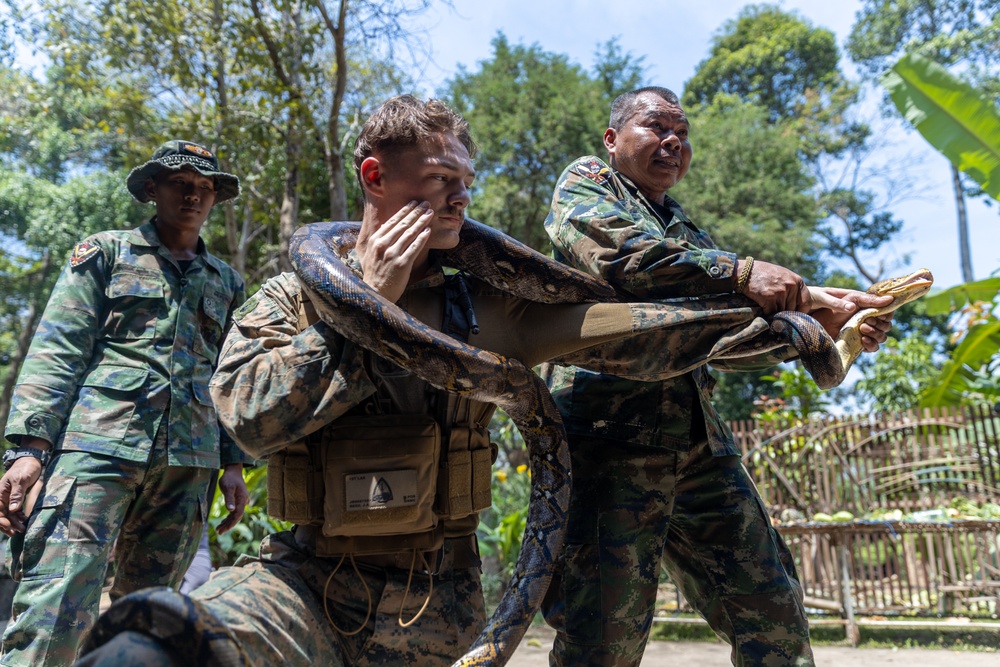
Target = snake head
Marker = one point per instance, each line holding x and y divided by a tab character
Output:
904	288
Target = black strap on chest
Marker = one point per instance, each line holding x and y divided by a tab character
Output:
458	322
459	316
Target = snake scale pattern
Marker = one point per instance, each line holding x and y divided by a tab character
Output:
360	314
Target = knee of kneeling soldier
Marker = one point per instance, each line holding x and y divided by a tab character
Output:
130	648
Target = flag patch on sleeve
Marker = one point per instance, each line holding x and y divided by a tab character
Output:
83	252
595	171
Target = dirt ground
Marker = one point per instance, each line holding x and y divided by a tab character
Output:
534	650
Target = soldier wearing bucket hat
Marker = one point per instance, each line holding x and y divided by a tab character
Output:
113	428
179	154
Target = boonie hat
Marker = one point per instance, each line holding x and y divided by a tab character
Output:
177	154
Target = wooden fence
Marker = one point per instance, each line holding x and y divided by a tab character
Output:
882	469
909	461
899	568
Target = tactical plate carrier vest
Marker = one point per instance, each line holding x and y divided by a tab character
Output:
380	481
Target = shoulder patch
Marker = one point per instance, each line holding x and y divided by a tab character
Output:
247	307
595	170
83	252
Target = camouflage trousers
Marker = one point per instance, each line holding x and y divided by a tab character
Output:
269	611
156	513
702	516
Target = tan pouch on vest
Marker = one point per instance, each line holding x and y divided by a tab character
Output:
380	473
295	485
466	473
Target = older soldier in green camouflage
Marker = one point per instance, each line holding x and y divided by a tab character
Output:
656	472
114	390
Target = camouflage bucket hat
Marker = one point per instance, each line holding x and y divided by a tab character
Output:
178	154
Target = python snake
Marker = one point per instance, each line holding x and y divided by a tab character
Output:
360	314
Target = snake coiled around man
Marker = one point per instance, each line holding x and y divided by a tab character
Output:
360	314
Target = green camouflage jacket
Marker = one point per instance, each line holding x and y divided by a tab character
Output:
601	224
126	341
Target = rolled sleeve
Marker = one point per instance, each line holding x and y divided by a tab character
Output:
276	384
596	225
35	425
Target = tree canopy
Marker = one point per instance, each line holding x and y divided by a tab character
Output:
947	31
532	112
771	58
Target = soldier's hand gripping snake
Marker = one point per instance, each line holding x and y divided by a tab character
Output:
829	360
360	314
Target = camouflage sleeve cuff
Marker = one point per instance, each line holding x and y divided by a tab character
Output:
721	268
691	272
36	425
230	453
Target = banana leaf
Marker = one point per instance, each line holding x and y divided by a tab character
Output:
955	297
951	115
978	346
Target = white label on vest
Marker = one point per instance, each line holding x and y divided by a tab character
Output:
379	490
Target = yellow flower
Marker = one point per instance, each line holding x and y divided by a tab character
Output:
521	469
501	476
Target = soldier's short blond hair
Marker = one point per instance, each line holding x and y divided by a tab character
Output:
404	121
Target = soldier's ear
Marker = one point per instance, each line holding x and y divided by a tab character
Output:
149	187
610	138
371	176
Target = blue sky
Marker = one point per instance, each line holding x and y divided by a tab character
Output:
674	37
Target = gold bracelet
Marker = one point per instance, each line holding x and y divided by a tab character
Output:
744	278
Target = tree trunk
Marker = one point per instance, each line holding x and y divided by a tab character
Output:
237	250
964	250
287	69
288	217
333	143
338	186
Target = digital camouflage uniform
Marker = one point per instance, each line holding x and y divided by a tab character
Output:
285	376
117	379
655	469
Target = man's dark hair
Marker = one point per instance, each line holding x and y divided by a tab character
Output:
404	121
623	107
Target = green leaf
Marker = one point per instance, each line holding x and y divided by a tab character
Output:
955	297
952	115
979	345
